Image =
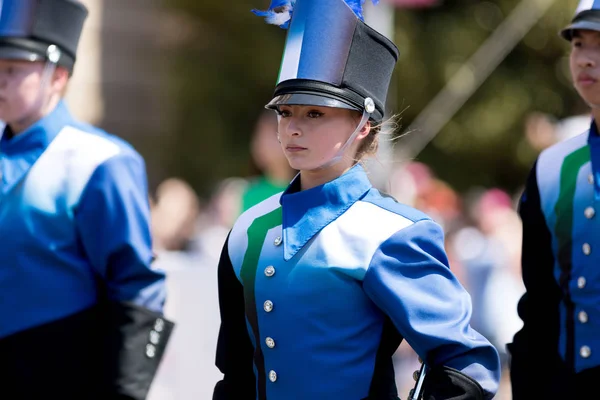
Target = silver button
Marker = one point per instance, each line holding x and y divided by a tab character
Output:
589	212
585	351
272	376
268	306
591	178
154	337
581	282
587	249
159	325
150	351
270	342
583	317
270	270
277	241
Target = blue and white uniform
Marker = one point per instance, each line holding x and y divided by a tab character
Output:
561	239
75	252
318	288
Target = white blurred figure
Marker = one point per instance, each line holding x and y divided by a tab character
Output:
217	219
542	130
490	252
188	370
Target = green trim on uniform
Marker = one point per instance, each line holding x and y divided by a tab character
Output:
257	232
564	206
564	235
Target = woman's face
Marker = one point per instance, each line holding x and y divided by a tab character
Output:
19	89
311	136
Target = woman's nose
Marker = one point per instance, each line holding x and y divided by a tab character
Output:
293	128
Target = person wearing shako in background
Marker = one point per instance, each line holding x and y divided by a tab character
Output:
81	305
556	354
318	285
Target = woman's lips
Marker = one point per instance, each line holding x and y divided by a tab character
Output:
294	149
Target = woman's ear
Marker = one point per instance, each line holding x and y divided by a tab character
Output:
60	78
364	132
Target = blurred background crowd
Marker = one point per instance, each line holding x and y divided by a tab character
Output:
481	87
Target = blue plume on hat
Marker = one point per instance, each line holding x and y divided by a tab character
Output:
280	11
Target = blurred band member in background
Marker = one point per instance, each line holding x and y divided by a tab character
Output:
81	305
556	355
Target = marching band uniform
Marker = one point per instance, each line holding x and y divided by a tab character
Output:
318	287
560	310
81	305
556	355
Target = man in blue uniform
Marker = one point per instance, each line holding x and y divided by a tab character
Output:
81	305
556	355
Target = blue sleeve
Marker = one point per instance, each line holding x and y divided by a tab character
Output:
113	220
410	281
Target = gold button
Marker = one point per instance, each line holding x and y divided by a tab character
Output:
268	306
587	249
270	342
277	241
270	270
272	376
416	375
589	212
591	178
585	351
581	282
583	317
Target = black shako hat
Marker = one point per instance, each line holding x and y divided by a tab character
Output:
587	16
331	57
41	30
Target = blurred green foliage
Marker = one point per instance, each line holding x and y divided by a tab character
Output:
225	60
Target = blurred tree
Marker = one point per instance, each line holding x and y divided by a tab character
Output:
224	65
225	60
484	144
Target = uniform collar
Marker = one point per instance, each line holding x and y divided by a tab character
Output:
306	212
20	152
38	135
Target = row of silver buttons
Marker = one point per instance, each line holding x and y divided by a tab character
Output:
268	307
154	338
582	316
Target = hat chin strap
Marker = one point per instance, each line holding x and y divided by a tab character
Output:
340	153
53	55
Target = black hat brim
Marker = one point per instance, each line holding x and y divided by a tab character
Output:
16	53
299	99
567	33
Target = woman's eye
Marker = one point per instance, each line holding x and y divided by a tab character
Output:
284	113
314	114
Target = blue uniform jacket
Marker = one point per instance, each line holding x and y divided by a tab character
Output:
318	287
74	230
561	254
